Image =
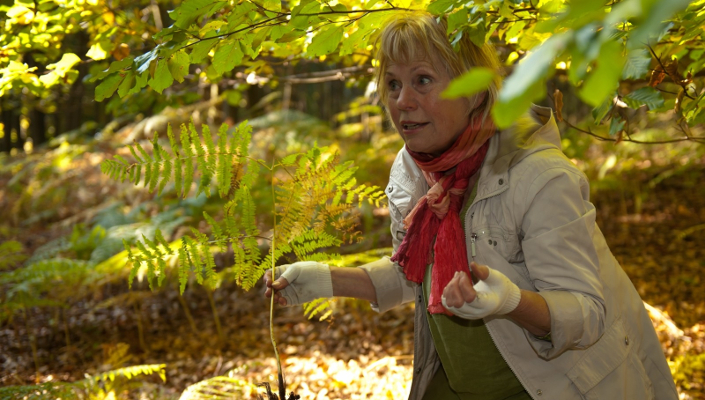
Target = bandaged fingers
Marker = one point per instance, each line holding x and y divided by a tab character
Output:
299	283
493	294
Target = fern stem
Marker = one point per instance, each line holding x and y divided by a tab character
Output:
280	372
140	329
189	317
218	328
67	336
32	344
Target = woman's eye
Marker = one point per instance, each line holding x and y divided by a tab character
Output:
393	85
424	80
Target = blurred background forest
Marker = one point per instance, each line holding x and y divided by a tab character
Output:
81	80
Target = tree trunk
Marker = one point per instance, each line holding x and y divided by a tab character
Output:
37	127
6	142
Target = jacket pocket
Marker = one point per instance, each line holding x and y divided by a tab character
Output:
504	243
611	369
399	206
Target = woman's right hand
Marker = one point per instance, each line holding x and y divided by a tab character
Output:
299	283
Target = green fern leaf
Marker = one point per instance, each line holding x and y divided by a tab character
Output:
134	153
184	265
188	160
154	178
156	149
166	175
135	265
177	176
314	307
142	151
210	274
195	257
208	139
225	162
201	160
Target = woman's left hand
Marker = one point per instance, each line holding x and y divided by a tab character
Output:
493	294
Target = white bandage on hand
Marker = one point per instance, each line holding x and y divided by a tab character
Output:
308	280
496	295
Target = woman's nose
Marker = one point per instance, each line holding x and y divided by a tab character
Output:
406	99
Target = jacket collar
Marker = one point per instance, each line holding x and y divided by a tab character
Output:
533	132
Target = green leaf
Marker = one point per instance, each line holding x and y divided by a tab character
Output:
440	7
202	48
187	13
278	31
599	113
178	65
604	78
471	82
140	82
227	56
233	97
143	62
162	77
272	5
114	67
108	86
654	17
533	68
325	42
646	96
67	62
616	125
505	112
637	64
126	84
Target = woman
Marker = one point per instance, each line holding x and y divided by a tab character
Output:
551	314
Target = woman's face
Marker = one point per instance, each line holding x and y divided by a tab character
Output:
426	122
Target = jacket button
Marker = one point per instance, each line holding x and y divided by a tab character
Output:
390	189
626	340
490	241
420	299
539	392
501	181
418	370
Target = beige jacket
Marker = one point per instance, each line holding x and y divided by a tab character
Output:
533	221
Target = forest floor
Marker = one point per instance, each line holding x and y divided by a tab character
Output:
655	233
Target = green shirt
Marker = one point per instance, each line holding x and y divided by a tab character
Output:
473	368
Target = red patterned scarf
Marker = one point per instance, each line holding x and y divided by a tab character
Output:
438	212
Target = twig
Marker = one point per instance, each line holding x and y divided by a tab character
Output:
696	139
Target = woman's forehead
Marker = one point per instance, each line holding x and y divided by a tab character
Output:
396	66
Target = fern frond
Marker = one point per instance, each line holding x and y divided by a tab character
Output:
150	259
142	151
201	161
220	239
208	139
218	388
134	153
131	372
184	265
165	175
187	160
225	162
310	241
311	309
194	257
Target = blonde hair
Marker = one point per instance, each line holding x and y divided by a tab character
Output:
411	36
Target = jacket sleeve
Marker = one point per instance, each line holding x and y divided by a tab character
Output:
390	283
561	258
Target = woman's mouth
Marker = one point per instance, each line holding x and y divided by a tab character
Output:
410	126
